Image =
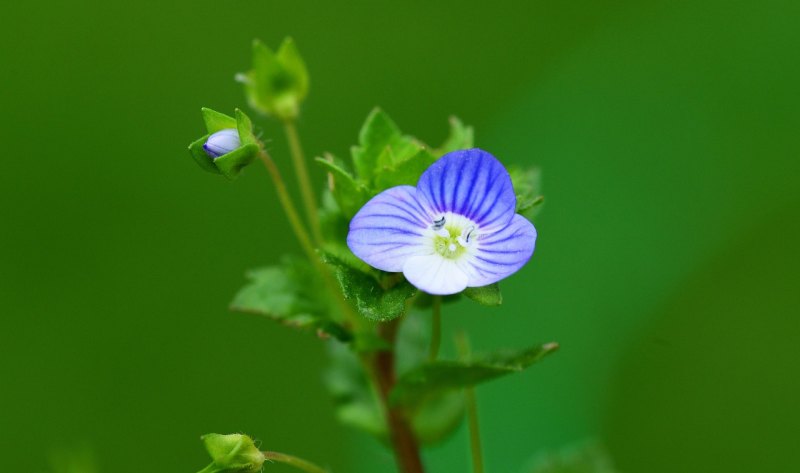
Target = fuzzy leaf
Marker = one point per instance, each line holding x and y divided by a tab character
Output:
460	137
406	171
526	182
380	144
431	379
349	194
438	416
485	295
355	402
372	300
290	293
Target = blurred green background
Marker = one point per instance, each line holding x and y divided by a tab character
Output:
667	133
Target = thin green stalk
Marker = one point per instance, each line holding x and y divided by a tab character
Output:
302	235
436	328
298	463
474	430
303	179
288	207
462	343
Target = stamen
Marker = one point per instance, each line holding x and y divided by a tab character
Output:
469	233
439	224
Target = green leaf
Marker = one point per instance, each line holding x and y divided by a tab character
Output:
380	136
292	294
372	300
438	416
355	401
404	171
485	295
527	186
349	194
460	137
431	379
589	457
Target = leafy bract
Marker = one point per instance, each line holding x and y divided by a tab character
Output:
527	186
292	294
384	157
460	137
485	295
435	378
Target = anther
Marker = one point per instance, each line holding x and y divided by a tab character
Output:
438	224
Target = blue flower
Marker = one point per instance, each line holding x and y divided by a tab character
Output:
457	228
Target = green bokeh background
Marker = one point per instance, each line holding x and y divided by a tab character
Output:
667	132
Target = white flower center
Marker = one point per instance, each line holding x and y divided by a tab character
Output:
452	236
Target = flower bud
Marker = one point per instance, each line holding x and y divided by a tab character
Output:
222	142
232	453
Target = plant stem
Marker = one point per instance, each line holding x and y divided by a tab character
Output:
436	328
474	431
404	442
298	463
462	343
288	207
302	235
306	190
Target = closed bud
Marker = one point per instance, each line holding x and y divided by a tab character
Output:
233	453
222	142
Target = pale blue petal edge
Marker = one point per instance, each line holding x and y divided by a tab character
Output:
500	254
389	229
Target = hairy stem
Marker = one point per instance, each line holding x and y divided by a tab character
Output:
404	442
298	463
462	343
474	431
302	235
303	179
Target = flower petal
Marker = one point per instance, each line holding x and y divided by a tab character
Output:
500	254
389	229
435	274
472	183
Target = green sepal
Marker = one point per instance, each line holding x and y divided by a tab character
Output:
290	293
277	83
230	164
216	121
460	137
233	453
201	157
527	187
485	295
373	300
434	378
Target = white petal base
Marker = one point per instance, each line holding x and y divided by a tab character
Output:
435	274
